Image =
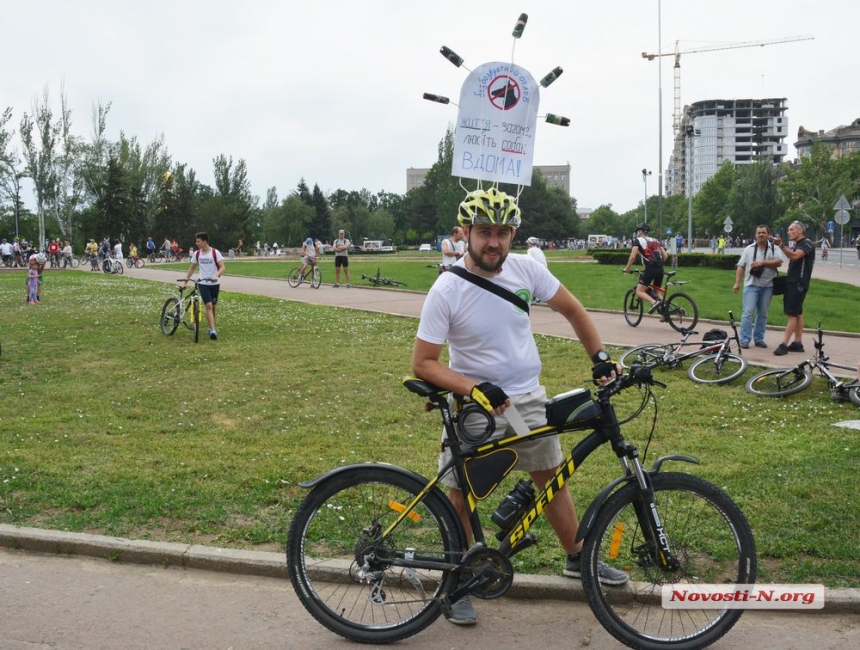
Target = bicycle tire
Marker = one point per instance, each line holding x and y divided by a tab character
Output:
170	316
74	262
710	538
106	266
117	268
129	262
854	395
139	263
331	529
717	368
632	308
678	309
780	382
294	279
316	278
648	353
196	315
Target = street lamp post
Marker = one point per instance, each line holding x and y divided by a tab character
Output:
645	174
690	133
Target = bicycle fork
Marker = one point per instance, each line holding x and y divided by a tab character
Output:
647	514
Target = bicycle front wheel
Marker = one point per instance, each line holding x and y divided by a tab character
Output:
681	312
348	578
711	541
781	382
196	315
316	278
717	368
171	314
648	354
117	268
74	262
632	308
854	395
139	263
294	278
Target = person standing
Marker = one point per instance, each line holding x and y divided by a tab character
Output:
721	245
801	258
117	250
453	248
494	358
757	267
653	255
341	257
150	249
534	250
36	263
211	264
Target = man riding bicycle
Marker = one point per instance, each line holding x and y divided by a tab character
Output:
494	358
309	255
653	255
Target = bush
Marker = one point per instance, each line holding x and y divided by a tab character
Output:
620	256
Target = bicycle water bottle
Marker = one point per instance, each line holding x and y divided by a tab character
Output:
513	505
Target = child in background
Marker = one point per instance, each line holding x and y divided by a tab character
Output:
33	286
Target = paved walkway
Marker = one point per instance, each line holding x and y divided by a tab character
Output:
841	347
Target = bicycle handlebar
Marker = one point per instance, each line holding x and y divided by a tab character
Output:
639	375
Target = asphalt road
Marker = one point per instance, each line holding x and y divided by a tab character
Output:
61	602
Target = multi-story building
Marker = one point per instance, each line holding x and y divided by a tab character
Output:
554	175
715	130
843	140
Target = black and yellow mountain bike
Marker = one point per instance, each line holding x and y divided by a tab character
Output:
375	552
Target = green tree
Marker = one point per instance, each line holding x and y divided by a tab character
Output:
321	226
712	203
603	221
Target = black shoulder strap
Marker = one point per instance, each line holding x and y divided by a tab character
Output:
485	284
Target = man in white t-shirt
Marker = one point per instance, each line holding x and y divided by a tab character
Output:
211	265
494	357
535	251
341	257
453	248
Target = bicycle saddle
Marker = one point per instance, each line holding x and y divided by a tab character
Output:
422	388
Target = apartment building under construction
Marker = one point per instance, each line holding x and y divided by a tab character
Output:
715	130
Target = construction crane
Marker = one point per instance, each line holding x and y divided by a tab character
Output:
676	118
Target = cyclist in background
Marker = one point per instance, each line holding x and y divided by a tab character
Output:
309	255
211	264
494	358
93	254
534	250
653	255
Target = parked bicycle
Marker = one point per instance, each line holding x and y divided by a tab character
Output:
376	552
678	309
783	382
715	363
185	308
112	265
377	280
312	275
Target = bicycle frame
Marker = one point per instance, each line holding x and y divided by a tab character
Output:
705	347
604	425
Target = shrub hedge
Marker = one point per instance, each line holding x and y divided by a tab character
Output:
619	256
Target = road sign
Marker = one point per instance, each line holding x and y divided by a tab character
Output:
842	217
728	222
727	227
830	226
842	204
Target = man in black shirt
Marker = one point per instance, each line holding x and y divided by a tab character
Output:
801	257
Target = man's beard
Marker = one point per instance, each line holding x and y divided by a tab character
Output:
484	266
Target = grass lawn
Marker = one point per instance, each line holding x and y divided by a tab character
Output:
109	427
597	286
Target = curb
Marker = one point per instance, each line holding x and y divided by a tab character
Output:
273	565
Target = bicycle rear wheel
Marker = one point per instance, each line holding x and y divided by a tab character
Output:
139	263
632	308
196	315
709	537
171	314
649	353
854	395
74	262
781	382
316	278
345	575
117	268
294	279
717	368
681	312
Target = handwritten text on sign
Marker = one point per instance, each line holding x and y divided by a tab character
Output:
494	139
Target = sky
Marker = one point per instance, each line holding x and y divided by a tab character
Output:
331	91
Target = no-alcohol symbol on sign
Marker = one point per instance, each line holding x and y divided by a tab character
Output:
504	92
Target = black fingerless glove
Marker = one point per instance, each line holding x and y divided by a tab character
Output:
603	369
488	395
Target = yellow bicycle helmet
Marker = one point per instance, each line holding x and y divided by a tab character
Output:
489	207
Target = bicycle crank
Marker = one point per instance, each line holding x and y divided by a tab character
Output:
487	573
